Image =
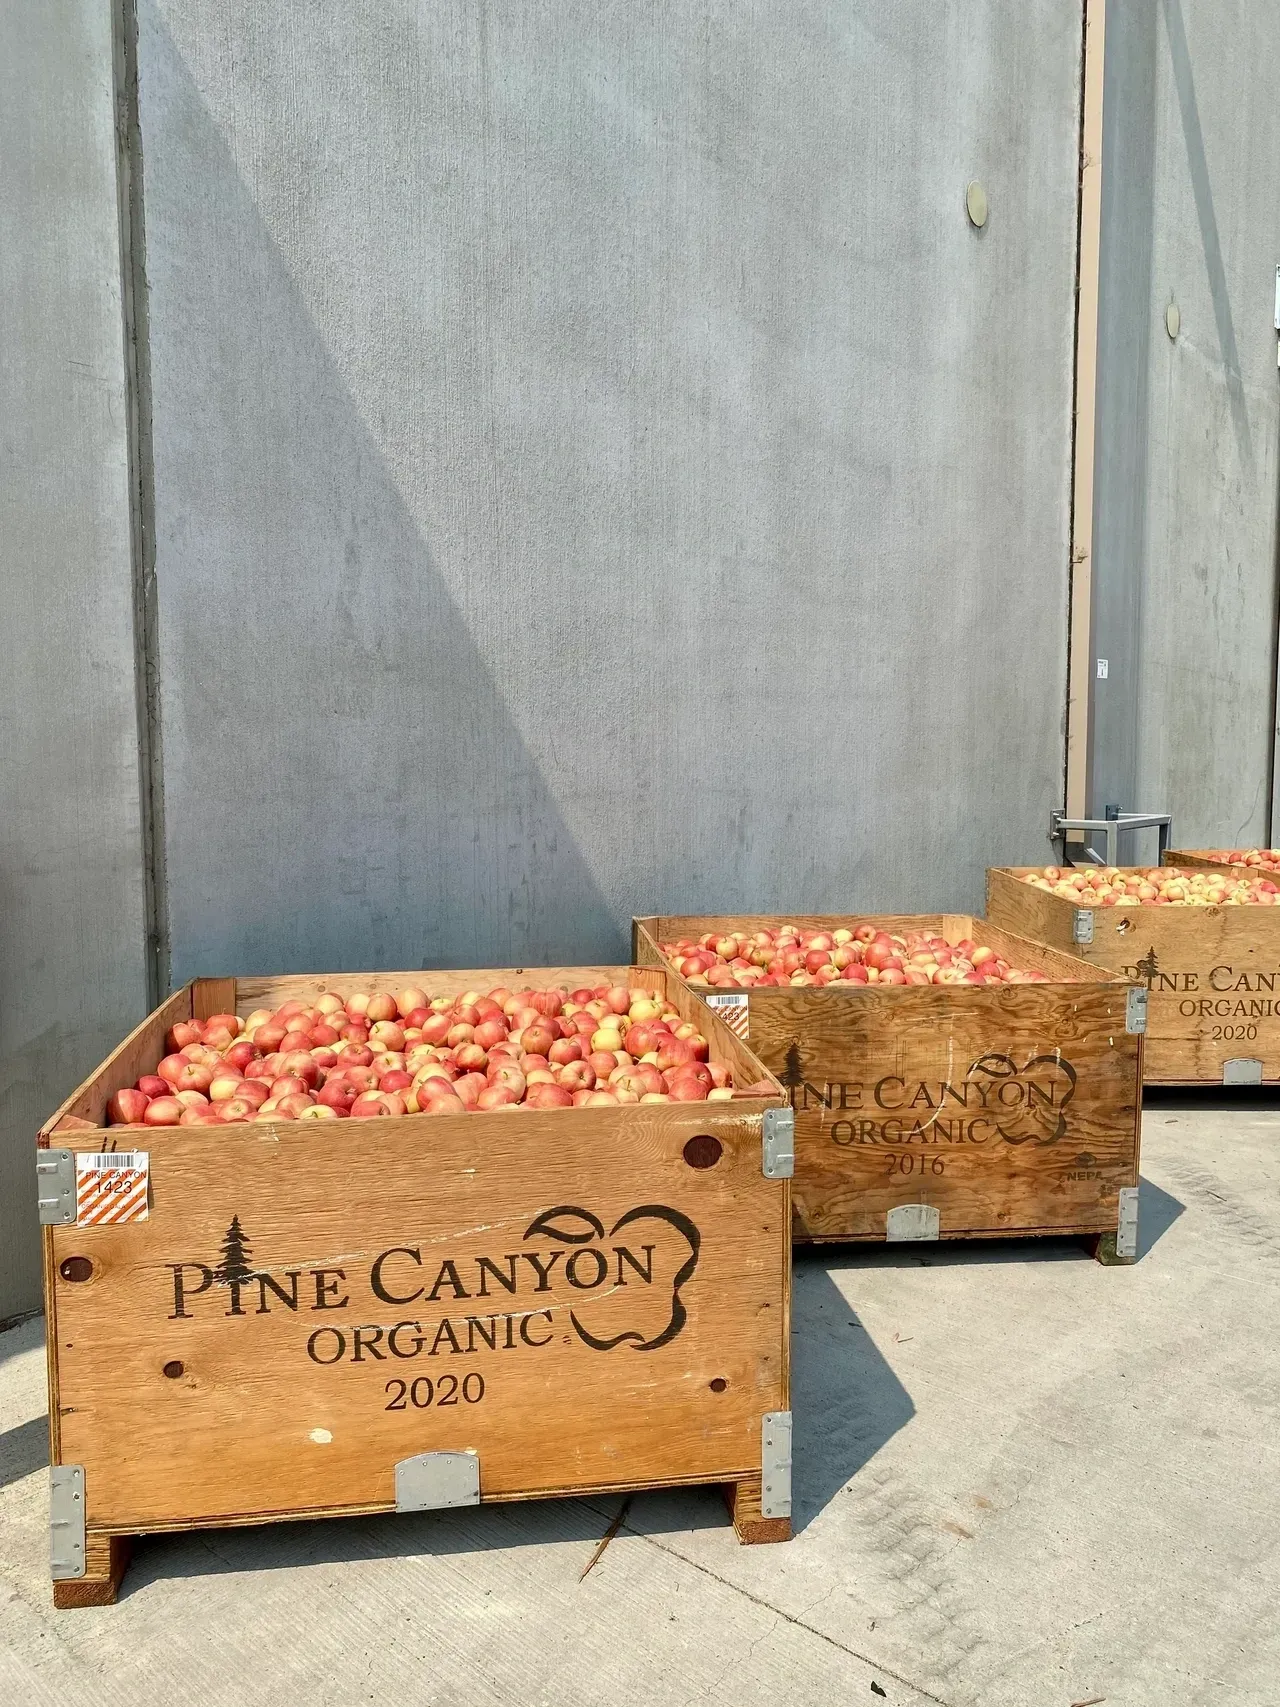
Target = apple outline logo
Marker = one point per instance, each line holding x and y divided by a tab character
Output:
594	1229
1003	1067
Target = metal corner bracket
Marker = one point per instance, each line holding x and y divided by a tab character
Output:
56	1187
778	1144
436	1481
775	1464
1135	1011
1242	1070
66	1522
911	1223
1082	927
1127	1225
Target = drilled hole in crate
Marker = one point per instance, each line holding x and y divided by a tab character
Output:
75	1268
718	1385
173	1369
1123	925
703	1151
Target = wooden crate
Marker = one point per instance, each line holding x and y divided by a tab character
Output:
1199	859
590	1300
1212	975
1008	1111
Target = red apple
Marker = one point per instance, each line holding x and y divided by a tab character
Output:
450	1103
163	1111
468	1088
578	1075
237	1109
337	1093
127	1107
549	1096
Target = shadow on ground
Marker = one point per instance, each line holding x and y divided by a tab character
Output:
846	1400
1157	1211
1211	1099
23	1450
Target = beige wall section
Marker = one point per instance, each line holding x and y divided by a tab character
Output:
72	976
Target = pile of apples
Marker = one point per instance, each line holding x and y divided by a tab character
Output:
1155	886
859	954
376	1055
1261	859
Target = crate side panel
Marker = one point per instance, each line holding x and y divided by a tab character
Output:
254	993
138	1054
1005	1109
254	1424
1032	913
1213	975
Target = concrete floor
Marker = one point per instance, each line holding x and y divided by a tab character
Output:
1022	1480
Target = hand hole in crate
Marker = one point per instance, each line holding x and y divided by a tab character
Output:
1123	925
75	1268
173	1369
703	1151
718	1385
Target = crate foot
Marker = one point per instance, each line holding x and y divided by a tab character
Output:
749	1523
1104	1250
106	1560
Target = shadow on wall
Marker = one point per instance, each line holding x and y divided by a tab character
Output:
344	785
527	550
1219	290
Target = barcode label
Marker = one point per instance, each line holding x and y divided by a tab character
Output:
731	1005
112	1186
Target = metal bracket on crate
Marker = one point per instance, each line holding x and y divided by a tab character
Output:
1242	1070
778	1144
56	1187
775	1464
66	1522
1111	827
1127	1225
1082	927
910	1223
1135	1011
435	1481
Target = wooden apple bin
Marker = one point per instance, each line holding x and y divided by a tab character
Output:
1202	859
566	1301
1212	973
949	1111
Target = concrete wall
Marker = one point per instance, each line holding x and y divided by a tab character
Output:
598	467
72	929
1188	428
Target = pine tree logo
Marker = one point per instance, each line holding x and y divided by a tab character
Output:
1148	966
792	1075
234	1270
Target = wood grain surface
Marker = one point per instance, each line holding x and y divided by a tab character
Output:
1213	973
1010	1109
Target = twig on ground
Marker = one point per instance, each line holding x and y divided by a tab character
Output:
607	1537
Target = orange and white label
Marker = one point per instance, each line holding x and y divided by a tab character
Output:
731	1005
111	1187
